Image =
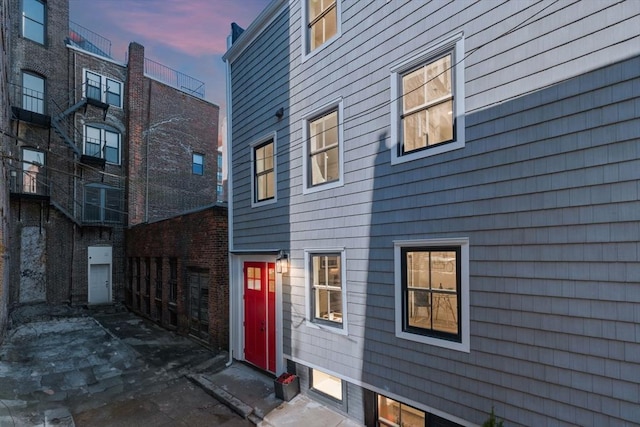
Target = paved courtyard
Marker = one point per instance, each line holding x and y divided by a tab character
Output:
100	369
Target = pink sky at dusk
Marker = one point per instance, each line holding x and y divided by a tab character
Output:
188	36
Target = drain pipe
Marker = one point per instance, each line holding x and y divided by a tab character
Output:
229	198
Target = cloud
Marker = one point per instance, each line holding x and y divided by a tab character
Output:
195	28
188	36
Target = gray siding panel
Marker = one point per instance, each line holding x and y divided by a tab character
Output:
546	189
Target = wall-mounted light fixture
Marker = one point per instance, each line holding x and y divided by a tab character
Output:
280	113
282	262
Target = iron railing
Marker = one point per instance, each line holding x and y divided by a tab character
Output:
88	40
28	178
27	99
174	78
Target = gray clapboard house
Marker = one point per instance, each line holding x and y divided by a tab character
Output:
434	207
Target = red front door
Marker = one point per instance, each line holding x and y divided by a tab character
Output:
259	314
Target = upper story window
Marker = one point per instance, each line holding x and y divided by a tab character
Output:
33	20
432	292
327	292
32	92
103	88
264	172
102	143
32	163
322	23
323	151
428	103
102	204
219	172
197	164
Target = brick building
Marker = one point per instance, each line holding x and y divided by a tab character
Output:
4	175
93	146
178	276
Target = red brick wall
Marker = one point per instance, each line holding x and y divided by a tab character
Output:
5	143
135	119
198	241
166	126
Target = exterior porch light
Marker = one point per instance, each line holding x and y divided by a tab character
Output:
282	262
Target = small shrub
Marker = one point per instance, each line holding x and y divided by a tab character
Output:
493	421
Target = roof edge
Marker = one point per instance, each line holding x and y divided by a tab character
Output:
256	27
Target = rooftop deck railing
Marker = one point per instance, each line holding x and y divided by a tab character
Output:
88	40
92	42
174	78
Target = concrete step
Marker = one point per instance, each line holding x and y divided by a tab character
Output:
233	402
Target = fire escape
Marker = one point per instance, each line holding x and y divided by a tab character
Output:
63	124
44	173
30	178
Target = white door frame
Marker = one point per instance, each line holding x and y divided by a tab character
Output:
99	255
236	301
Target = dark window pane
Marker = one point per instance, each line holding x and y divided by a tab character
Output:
431	291
33	20
92	204
112	205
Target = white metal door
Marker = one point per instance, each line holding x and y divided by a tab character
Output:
99	284
99	266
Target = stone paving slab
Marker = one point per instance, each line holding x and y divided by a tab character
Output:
51	366
117	369
304	411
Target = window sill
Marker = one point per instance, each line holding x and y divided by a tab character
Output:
437	342
329	328
444	148
306	55
322	187
264	202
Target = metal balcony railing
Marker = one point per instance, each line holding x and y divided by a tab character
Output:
28	99
29	179
88	40
174	78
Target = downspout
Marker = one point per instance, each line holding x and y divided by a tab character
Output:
75	180
146	140
229	197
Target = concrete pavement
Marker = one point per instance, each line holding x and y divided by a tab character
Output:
70	366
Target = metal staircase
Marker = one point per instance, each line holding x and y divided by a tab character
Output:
58	127
62	122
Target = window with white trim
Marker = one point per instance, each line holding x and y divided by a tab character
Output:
322	22
323	149
103	89
102	143
102	204
427	103
432	288
34	20
327	288
264	176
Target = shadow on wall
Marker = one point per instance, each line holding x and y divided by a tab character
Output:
522	182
